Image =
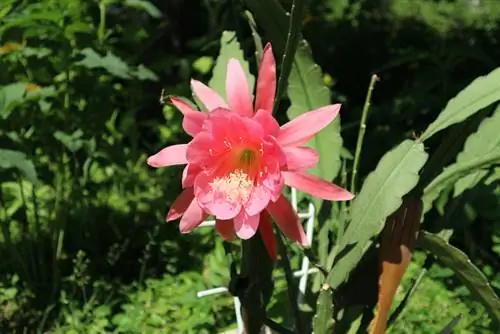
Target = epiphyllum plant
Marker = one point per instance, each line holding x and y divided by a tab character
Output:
240	159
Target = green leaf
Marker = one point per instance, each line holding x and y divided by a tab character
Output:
18	160
467	272
203	64
111	63
146	6
10	96
454	172
396	174
73	142
323	321
229	48
484	141
144	73
307	92
482	92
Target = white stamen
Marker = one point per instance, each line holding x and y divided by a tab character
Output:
236	185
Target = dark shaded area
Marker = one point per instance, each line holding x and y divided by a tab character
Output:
111	206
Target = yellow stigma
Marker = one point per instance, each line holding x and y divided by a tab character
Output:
237	186
247	157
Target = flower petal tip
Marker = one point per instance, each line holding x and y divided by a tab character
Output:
245	234
347	196
184	231
152	162
171	216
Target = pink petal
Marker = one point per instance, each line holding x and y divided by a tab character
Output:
245	225
238	92
193	119
213	202
300	158
209	97
193	217
316	186
227	126
258	200
266	82
225	229
272	178
169	156
189	174
180	204
306	125
267	234
200	148
287	220
268	122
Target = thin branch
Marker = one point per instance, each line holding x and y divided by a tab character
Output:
362	130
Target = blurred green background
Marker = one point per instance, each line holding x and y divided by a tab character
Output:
85	248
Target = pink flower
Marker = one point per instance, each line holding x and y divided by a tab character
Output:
240	159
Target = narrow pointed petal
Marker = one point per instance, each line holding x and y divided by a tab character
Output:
307	125
169	156
266	81
300	158
192	121
238	92
193	216
316	186
267	234
209	97
180	204
287	220
245	225
225	229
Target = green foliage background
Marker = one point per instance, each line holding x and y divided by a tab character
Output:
84	245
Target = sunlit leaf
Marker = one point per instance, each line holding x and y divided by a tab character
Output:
73	142
10	96
146	6
453	173
484	141
395	175
482	92
144	73
10	159
111	63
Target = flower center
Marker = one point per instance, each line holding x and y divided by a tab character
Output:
236	185
247	157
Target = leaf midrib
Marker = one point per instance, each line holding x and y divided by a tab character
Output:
384	184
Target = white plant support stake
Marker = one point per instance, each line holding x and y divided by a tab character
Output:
303	273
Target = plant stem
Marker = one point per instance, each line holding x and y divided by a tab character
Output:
362	130
292	287
295	26
256	38
101	31
254	286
